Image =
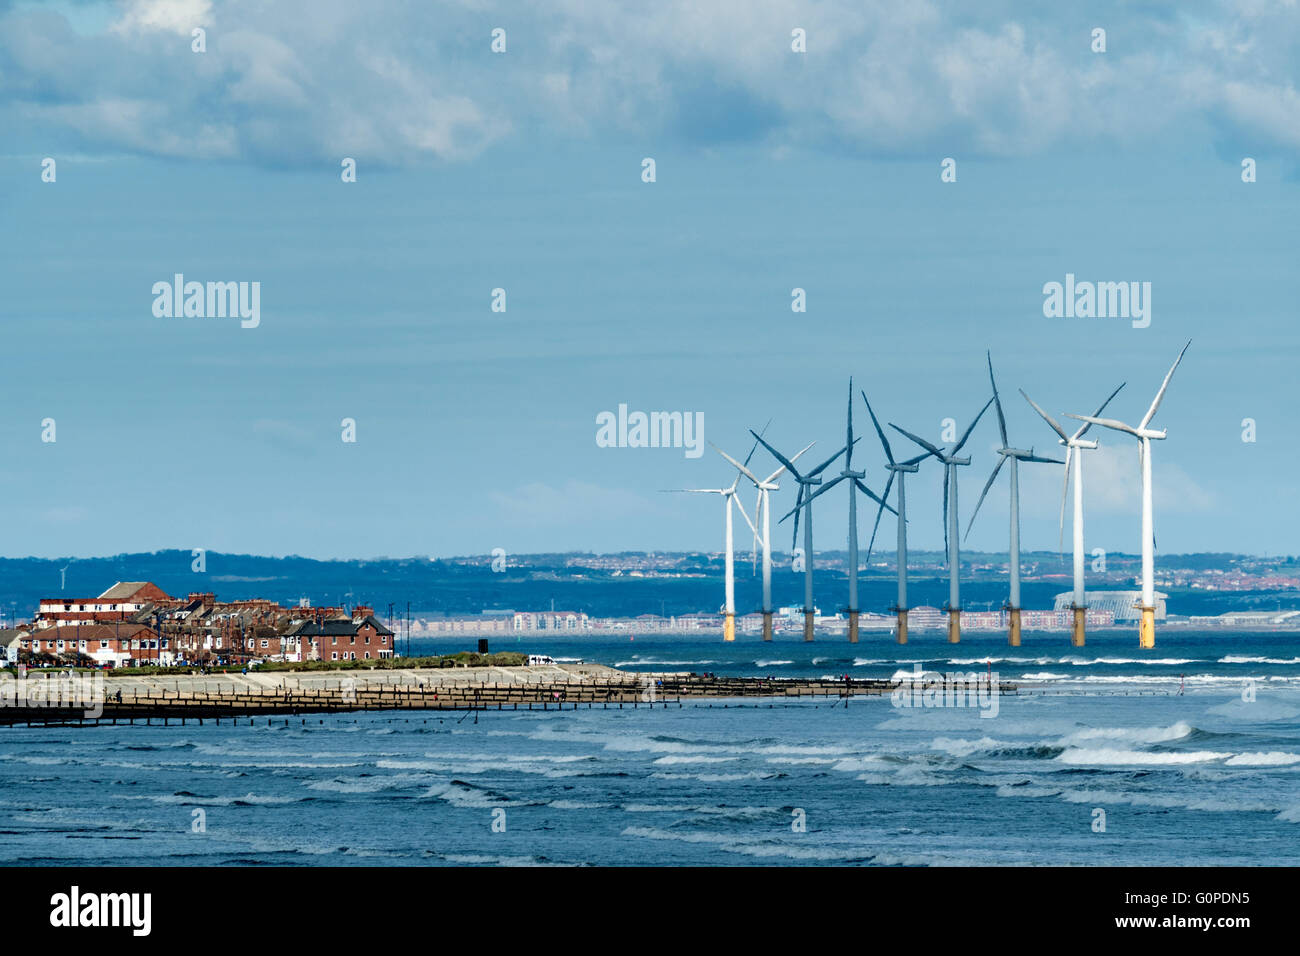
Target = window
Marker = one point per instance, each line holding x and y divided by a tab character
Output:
265	642
383	639
367	655
334	656
367	641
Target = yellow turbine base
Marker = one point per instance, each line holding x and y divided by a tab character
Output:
1147	629
853	627
807	626
1077	637
954	627
767	625
1013	628
729	628
902	627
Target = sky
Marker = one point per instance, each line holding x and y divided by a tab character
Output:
523	170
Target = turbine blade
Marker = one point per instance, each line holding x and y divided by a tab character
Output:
826	487
879	512
795	457
1046	417
798	507
1002	421
743	470
1002	460
824	465
914	461
754	448
736	500
889	453
861	485
1151	412
920	441
1107	423
972	425
775	454
1052	461
1100	409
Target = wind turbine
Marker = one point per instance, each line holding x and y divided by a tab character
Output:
855	484
765	487
901	469
1144	435
951	541
1075	445
1015	456
728	497
804	502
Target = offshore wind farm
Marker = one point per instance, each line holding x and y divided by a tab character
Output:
811	485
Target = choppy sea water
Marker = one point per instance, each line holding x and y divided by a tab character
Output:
1204	776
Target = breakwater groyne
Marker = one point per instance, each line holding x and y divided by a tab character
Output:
182	698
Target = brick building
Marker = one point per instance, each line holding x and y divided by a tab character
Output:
359	637
121	602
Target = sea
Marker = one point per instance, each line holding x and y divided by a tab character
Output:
1188	753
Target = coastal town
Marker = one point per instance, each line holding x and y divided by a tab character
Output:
136	623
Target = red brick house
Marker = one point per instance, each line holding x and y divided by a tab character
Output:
117	645
361	637
121	602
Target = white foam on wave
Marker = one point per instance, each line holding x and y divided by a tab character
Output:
1243	659
465	797
671	759
640	661
1139	735
731	844
1112	756
367	784
1274	758
189	799
964	748
717	777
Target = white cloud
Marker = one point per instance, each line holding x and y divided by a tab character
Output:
296	83
172	16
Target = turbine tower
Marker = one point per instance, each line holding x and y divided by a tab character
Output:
950	528
728	497
901	469
855	484
765	487
804	502
1144	435
1015	456
1075	445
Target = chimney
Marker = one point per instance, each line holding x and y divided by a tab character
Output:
361	612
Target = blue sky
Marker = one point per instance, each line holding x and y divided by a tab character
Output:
775	170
